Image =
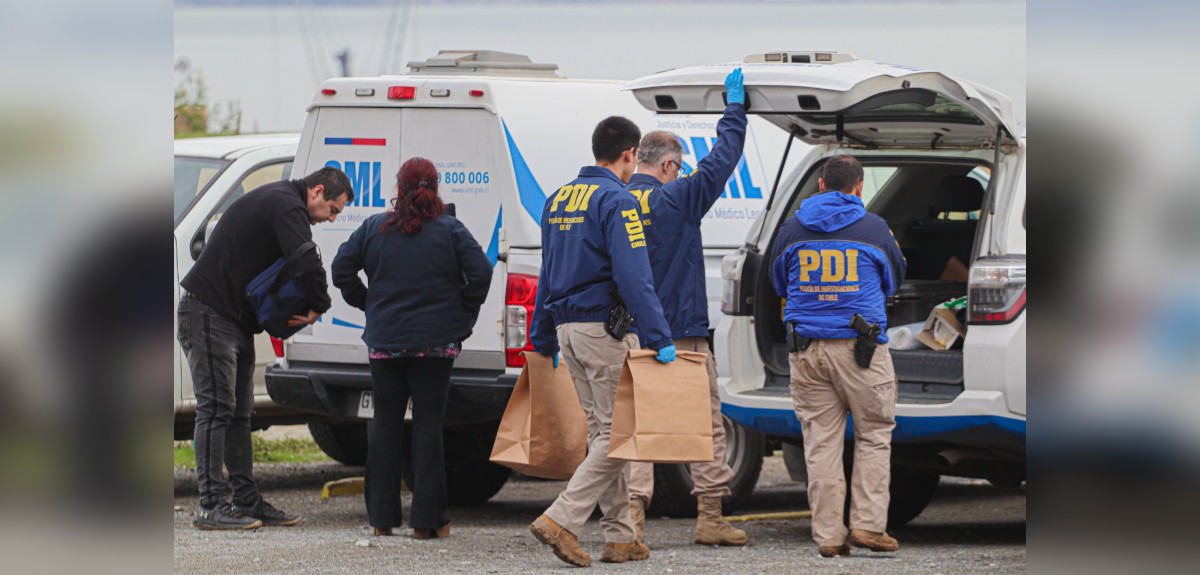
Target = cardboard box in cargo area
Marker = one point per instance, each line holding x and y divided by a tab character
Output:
941	330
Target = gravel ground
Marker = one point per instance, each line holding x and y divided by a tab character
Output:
971	527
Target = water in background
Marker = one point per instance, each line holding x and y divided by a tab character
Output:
272	59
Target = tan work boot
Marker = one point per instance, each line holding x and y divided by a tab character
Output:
843	550
563	542
622	552
873	541
712	528
637	511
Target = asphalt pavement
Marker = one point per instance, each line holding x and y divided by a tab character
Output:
971	527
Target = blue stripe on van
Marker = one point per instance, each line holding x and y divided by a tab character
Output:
493	249
528	189
343	323
783	422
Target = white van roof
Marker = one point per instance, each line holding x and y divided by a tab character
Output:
232	147
483	63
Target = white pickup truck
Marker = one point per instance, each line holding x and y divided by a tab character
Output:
210	173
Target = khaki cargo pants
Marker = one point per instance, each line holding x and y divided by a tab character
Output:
595	360
826	385
711	479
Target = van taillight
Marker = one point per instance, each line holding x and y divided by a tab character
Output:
277	345
996	292
519	300
402	92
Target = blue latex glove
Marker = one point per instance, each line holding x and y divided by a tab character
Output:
556	361
734	90
666	354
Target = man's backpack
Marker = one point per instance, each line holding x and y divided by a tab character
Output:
275	295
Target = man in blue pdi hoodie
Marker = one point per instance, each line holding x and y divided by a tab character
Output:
592	238
672	209
831	261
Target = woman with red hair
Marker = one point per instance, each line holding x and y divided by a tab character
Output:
426	280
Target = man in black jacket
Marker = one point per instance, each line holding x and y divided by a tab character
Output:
217	327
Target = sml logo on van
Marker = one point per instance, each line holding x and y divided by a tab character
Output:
739	186
365	177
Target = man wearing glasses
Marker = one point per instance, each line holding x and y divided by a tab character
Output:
672	208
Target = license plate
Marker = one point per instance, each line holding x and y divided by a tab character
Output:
366	407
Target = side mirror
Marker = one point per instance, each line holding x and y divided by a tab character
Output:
197	247
201	240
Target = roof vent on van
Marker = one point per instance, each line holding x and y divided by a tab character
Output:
800	57
481	63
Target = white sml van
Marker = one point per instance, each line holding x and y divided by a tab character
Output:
210	174
961	411
503	132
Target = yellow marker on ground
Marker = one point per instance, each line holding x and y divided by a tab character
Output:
770	516
349	486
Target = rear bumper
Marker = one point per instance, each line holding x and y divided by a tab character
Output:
333	391
972	418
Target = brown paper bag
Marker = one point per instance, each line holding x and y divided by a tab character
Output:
663	412
544	431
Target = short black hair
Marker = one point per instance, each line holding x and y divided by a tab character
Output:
335	181
842	173
612	136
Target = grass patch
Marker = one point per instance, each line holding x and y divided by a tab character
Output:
286	450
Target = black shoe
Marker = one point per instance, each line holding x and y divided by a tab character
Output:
223	517
268	514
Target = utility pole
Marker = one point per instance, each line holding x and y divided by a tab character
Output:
344	58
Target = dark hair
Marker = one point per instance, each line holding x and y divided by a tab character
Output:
335	181
416	198
612	136
842	173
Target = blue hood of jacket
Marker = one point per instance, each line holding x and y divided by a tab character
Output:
830	211
834	260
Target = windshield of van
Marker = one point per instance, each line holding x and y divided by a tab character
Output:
192	177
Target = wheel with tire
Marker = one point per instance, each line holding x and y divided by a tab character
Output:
744	450
910	492
471	479
343	442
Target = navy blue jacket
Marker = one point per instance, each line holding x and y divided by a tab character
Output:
423	290
592	237
671	215
834	260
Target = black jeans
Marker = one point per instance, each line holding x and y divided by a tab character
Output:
221	357
393	381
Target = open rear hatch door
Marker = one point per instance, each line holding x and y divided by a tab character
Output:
827	98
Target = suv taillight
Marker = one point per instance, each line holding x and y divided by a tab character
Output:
996	292
519	300
277	345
